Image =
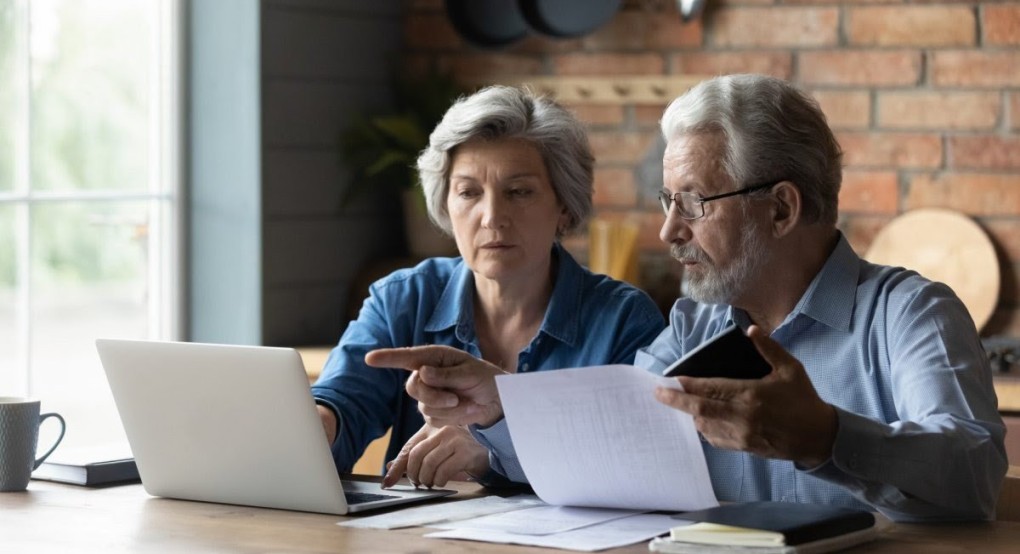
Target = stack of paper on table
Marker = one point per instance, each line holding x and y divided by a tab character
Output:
582	529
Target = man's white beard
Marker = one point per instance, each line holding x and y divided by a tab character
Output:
714	286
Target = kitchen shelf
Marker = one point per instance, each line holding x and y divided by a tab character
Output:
643	89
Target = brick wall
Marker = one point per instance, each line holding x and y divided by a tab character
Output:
924	97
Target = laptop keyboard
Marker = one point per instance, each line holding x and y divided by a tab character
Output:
362	497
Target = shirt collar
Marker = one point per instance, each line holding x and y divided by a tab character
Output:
830	297
456	306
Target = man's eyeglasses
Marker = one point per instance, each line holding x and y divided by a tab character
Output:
691	205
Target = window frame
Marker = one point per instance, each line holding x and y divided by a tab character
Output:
165	192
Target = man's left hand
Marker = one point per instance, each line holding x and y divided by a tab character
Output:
777	416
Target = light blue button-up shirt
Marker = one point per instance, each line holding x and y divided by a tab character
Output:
591	319
920	437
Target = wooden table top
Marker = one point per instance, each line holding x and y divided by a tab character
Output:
51	517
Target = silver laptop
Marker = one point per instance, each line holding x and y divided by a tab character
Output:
232	424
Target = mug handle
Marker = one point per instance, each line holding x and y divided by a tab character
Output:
63	427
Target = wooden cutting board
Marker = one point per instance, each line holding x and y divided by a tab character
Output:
947	246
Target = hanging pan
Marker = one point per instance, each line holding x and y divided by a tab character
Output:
487	23
567	18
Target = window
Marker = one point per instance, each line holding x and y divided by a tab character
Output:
88	196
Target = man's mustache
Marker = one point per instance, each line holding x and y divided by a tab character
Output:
687	252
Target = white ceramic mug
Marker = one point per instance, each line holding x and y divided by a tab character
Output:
19	437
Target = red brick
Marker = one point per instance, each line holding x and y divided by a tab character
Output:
536	43
489	68
641	30
773	27
911	26
984	152
845	109
860	230
1005	234
430	31
938	110
872	192
608	64
975	68
598	114
777	64
620	147
860	67
891	150
1014	110
1001	24
647	116
615	187
971	193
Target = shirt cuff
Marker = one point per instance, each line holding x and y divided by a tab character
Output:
846	461
502	457
336	413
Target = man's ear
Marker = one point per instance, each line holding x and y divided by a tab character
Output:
787	204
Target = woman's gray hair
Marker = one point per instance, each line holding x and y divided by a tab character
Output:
773	132
501	112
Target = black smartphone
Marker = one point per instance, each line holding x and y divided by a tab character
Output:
729	354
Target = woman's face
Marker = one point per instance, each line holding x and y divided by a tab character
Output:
502	208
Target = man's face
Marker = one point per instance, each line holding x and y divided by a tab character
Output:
724	251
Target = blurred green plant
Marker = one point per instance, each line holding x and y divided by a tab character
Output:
381	149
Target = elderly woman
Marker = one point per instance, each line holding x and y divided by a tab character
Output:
507	174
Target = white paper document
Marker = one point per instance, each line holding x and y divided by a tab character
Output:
596	436
445	511
612	534
540	520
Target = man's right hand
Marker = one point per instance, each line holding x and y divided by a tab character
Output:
451	386
329	423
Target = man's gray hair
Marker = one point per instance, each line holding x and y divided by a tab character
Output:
501	112
773	131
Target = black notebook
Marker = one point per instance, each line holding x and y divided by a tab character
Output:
89	466
770	524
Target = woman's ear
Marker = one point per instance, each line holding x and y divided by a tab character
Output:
563	221
787	204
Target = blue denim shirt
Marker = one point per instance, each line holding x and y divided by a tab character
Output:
591	319
920	437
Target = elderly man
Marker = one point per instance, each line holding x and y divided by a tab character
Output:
880	394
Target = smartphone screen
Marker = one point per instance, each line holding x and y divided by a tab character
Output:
729	354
